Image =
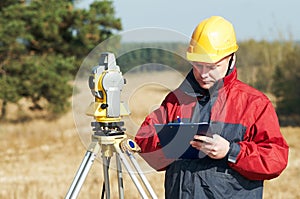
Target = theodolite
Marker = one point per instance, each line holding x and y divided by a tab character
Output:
106	83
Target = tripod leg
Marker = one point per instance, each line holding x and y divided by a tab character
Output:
106	162
83	170
120	177
131	173
142	176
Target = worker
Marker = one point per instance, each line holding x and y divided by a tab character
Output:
245	146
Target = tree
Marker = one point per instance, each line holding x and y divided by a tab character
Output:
42	44
155	54
286	79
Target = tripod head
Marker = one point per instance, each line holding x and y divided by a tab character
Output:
106	83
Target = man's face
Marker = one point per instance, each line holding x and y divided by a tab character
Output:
207	74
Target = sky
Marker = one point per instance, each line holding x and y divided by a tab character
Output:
260	20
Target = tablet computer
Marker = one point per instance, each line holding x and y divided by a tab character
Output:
175	139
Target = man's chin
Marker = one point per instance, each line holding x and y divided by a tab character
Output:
206	86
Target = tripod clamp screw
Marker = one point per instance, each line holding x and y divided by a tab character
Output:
129	146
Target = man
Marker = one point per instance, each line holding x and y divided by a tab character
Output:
245	147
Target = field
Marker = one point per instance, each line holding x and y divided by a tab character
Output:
38	159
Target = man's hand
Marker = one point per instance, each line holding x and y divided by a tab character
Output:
215	147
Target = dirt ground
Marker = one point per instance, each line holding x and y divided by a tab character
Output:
39	159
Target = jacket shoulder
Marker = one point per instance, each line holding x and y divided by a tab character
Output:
176	96
250	92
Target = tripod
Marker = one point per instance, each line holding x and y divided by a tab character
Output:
111	139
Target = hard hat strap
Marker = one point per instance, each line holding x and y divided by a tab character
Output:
230	64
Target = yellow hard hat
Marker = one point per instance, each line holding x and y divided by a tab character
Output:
213	39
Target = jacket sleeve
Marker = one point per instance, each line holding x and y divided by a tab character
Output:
148	140
263	154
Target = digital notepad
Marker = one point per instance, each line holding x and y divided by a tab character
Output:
175	139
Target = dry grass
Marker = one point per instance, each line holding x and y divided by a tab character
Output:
287	184
39	159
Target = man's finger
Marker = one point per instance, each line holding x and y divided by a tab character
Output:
203	138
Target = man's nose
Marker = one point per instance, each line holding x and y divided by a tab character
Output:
203	71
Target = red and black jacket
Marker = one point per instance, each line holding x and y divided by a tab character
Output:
239	113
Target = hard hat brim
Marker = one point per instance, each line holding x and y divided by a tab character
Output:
209	58
205	58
